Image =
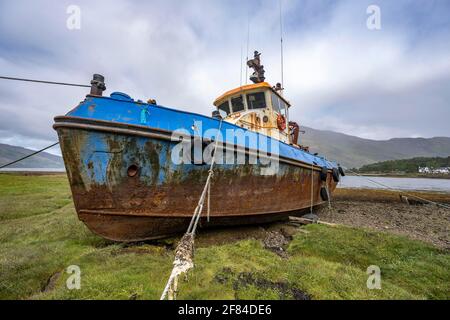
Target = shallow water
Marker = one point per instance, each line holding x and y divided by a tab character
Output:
425	184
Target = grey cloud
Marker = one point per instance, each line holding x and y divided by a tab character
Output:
338	75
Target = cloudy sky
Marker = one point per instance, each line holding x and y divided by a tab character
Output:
339	75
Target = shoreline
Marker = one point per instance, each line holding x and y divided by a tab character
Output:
387	175
387	196
52	172
409	191
382	210
40	171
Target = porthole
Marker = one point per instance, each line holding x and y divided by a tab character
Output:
132	170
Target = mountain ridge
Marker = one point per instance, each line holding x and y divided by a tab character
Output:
44	160
350	151
354	152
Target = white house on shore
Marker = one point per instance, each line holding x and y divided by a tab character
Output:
443	170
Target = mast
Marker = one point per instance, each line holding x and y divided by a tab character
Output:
281	89
255	64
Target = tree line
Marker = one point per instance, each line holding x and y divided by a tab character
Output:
406	165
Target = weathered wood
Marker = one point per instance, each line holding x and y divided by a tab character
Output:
309	221
404	199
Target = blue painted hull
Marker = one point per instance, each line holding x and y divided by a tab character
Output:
126	186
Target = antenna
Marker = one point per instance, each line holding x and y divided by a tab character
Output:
281	47
240	80
248	40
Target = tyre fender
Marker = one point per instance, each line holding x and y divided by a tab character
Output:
335	175
324	174
324	194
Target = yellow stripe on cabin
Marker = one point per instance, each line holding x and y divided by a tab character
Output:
248	87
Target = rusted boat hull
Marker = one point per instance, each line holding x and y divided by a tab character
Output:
126	188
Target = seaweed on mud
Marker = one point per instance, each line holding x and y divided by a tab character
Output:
276	241
244	280
51	282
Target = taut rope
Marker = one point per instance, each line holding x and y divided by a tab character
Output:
400	191
184	252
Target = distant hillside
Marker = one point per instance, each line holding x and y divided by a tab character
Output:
354	152
349	151
41	160
406	165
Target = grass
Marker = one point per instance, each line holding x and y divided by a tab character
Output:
23	196
406	264
41	236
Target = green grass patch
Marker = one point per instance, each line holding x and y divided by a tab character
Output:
22	196
41	237
414	266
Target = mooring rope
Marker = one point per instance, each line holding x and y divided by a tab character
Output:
30	155
184	252
400	191
46	82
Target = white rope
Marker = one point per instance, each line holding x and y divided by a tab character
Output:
209	202
401	191
182	263
184	253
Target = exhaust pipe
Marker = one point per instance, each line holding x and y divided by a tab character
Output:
97	85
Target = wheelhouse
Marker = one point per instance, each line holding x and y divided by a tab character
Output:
252	97
258	107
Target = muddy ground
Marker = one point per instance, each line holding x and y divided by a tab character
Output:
373	209
383	211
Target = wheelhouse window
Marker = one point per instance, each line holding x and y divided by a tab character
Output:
278	105
225	107
237	104
256	100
